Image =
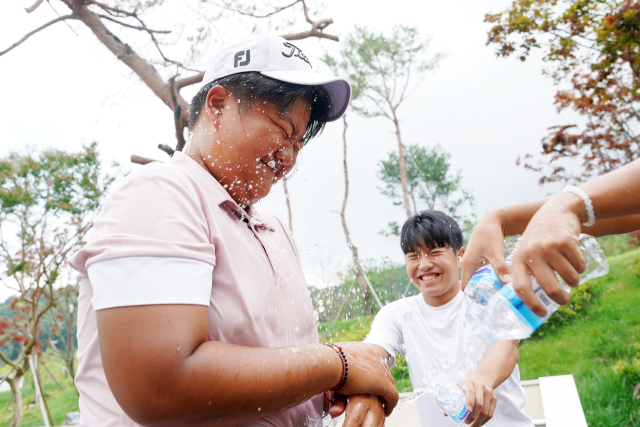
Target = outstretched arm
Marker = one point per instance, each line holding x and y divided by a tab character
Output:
494	368
550	229
486	243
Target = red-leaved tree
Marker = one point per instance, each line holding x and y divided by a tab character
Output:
593	51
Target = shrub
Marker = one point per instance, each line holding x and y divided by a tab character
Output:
581	297
629	371
636	266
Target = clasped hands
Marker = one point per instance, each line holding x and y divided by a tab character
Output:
369	411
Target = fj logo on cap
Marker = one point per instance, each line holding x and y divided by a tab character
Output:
238	57
296	52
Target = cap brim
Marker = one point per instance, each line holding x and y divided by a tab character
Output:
339	89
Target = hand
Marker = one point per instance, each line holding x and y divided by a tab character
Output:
486	245
368	375
334	403
364	411
481	400
549	244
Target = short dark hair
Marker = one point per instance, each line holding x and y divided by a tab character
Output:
430	229
252	87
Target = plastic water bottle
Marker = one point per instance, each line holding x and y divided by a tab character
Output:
485	282
507	317
453	402
482	285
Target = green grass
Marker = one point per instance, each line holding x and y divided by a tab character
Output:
588	344
592	344
61	400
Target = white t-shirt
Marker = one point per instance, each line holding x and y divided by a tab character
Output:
430	338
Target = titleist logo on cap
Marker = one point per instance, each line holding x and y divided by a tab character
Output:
295	52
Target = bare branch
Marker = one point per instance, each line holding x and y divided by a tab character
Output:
178	120
8	361
311	33
188	81
253	15
110	9
166	149
147	73
26	36
141	160
134	26
34	6
155	42
65	22
316	28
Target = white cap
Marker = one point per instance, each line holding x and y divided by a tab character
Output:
275	57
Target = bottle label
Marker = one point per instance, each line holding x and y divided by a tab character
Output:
521	310
460	415
487	274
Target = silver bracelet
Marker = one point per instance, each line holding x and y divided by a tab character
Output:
587	203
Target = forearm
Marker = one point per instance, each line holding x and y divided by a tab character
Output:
616	194
165	372
234	384
514	219
498	363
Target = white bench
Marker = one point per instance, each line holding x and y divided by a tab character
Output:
550	402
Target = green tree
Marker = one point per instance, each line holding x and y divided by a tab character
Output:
344	301
592	48
47	201
383	71
430	181
63	316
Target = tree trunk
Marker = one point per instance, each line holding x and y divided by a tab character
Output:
41	400
147	72
361	277
286	196
403	166
16	393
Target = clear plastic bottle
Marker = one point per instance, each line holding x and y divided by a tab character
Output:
485	282
507	317
482	285
453	402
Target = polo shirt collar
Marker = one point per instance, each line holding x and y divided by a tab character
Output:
220	195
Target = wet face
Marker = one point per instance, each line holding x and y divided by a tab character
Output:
435	273
248	148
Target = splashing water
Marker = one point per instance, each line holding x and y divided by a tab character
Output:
416	394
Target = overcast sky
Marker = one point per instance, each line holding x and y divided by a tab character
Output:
63	90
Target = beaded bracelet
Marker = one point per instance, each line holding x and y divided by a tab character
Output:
588	204
345	365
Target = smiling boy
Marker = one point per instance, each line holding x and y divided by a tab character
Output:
429	330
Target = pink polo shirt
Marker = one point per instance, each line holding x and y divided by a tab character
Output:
176	218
